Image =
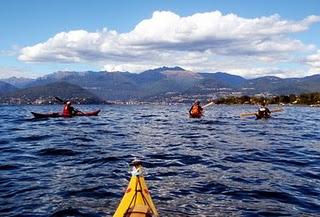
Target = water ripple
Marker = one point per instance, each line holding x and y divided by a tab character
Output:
56	152
220	165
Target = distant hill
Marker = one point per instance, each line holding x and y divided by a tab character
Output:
286	86
6	88
125	85
312	82
229	80
107	85
47	92
18	82
163	82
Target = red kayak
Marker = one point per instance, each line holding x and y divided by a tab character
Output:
58	115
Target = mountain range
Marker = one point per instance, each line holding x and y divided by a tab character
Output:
160	82
48	92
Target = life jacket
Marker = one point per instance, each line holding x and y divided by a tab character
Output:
67	110
196	111
263	112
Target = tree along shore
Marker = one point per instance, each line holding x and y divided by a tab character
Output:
302	99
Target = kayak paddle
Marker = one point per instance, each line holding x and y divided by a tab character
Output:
210	103
60	100
254	113
248	114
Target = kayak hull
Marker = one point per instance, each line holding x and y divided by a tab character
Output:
59	115
262	117
195	115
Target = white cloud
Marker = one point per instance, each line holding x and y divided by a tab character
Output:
314	62
167	28
121	67
269	71
7	53
168	39
14	51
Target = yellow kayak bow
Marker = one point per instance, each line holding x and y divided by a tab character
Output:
137	201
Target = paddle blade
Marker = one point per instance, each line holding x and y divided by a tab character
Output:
248	114
211	103
277	110
59	99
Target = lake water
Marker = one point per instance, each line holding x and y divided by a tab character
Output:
220	165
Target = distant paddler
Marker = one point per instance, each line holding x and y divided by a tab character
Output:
263	112
68	109
196	110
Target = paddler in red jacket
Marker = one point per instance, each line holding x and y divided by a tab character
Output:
196	111
68	109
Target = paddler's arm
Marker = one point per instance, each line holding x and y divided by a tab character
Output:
78	111
268	111
190	109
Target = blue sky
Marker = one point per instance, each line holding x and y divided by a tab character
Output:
248	38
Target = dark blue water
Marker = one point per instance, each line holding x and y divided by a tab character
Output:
221	165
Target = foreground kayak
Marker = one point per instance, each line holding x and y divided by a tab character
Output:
136	201
57	115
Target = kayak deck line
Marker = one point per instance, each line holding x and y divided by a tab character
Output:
137	201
